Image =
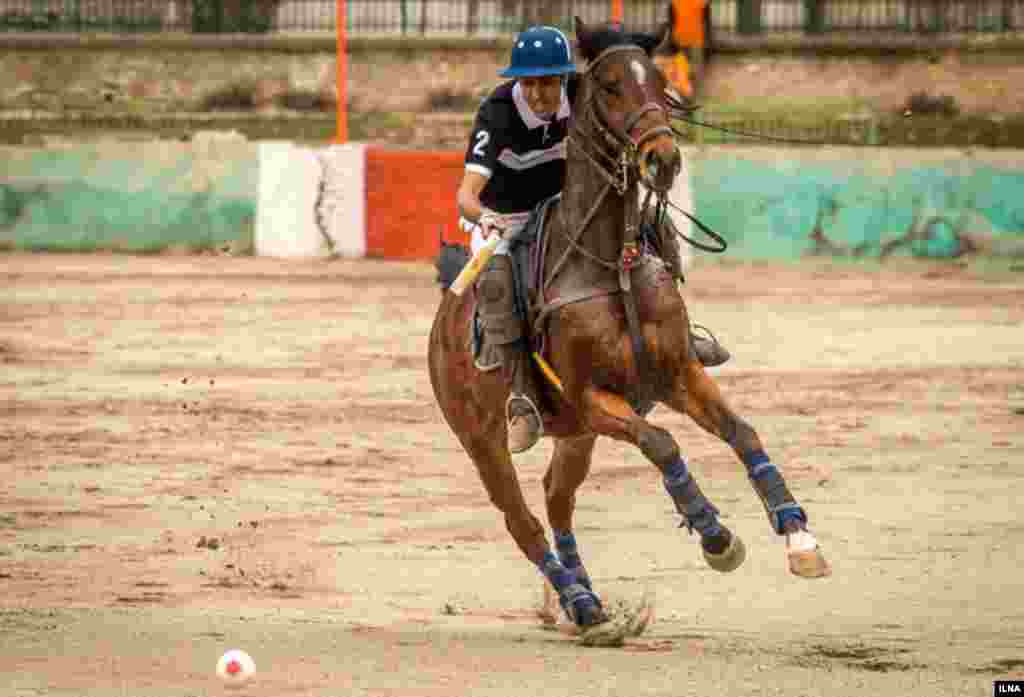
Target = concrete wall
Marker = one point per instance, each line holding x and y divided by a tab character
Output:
354	200
129	196
172	75
865	202
154	80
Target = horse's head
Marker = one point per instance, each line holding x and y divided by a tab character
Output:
625	94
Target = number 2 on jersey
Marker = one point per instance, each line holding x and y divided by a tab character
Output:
482	137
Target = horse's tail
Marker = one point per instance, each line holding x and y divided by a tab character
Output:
451	258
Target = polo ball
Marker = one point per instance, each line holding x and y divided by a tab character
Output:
235	667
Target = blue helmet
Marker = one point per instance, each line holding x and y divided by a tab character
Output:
540	51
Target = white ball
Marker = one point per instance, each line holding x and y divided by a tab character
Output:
235	667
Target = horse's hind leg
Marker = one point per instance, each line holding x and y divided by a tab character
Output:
569	466
701	399
609	414
494	464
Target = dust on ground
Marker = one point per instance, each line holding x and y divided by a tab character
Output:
204	453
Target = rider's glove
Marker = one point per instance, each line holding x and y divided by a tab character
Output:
492	223
504	225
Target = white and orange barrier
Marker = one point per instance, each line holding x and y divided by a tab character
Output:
356	200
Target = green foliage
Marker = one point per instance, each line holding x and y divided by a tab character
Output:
232	16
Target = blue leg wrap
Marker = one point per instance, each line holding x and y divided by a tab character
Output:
580	603
565	543
778	502
553	569
698	513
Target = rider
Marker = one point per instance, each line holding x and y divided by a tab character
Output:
516	159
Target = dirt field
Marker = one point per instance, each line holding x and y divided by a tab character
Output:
202	453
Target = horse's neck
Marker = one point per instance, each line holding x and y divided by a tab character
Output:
602	236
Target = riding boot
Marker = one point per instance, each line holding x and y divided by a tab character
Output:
503	331
525	426
707	348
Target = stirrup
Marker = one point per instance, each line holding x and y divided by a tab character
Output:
537	434
715	354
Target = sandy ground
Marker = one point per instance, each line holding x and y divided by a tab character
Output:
205	453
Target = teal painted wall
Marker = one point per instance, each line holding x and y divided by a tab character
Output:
864	202
769	203
128	196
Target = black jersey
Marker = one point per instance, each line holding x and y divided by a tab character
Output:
522	156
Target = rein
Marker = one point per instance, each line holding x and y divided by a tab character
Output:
615	170
682	110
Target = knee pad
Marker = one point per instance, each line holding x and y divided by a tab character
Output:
495	285
492	289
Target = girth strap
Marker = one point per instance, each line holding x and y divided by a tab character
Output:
547	309
640	398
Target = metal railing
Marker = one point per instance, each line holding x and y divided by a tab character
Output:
504	17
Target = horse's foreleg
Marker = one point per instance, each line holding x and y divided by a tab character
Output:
495	466
703	401
569	466
610	415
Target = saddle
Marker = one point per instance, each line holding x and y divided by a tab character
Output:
526	252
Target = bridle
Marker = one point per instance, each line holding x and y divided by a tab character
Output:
616	163
620	160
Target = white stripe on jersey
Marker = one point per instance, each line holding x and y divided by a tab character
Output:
532	158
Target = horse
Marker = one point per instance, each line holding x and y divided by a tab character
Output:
616	340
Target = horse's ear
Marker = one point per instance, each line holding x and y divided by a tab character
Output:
648	42
583	36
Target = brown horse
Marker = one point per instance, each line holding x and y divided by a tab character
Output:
597	282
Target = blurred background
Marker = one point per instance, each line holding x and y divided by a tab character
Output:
851	127
846	71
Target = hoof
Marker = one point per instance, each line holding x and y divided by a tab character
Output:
582	606
805	557
730	559
809	564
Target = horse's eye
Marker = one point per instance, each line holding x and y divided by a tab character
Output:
610	88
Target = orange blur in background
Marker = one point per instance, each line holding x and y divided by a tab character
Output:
688	27
677	71
687	34
410	195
